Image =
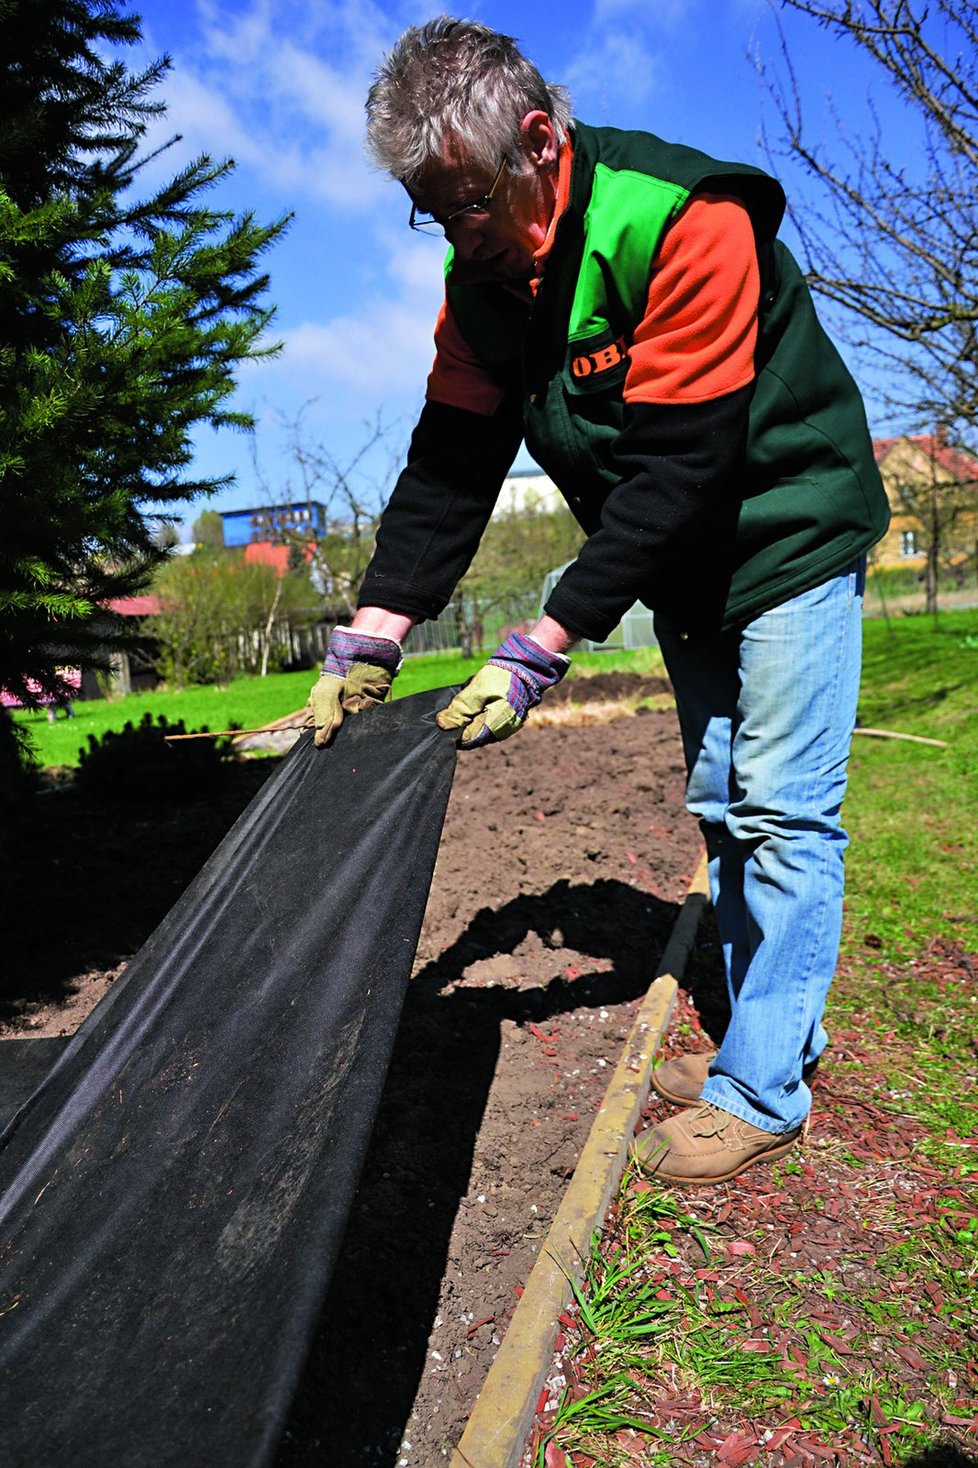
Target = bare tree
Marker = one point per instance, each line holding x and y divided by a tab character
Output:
221	617
352	490
505	579
896	241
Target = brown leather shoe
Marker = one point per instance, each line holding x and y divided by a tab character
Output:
681	1080
706	1145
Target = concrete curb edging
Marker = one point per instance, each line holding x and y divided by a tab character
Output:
496	1433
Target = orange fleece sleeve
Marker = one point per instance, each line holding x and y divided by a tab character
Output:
696	341
457	377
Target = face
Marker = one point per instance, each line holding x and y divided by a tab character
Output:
499	244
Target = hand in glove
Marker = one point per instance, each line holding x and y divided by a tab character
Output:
358	671
495	703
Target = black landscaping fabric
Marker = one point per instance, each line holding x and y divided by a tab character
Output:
23	1066
174	1194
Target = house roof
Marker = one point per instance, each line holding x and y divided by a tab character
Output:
956	463
266	510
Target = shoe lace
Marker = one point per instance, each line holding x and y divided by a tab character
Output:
710	1121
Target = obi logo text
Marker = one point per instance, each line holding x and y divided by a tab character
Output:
601	359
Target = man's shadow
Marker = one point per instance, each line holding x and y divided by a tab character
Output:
942	1455
368	1356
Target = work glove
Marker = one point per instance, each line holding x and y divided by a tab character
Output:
494	704
358	671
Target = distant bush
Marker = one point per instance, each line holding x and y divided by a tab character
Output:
137	763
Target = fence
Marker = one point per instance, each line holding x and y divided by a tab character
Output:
634	630
487	623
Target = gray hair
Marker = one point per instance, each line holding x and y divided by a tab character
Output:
456	88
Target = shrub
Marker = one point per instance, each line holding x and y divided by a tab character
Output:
137	763
18	768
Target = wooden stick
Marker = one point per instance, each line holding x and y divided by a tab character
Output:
238	733
913	738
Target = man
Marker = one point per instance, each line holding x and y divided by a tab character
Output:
624	305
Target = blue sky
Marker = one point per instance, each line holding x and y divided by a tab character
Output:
280	86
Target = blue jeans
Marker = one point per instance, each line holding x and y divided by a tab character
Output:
767	715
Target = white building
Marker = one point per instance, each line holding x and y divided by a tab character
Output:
528	491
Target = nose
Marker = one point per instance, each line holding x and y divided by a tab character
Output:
465	239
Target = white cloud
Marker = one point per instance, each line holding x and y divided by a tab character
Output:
622	55
281	89
594	77
382	350
206	120
661	15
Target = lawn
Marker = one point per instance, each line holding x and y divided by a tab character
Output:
247	703
913	867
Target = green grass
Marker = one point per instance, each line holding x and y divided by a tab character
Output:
247	703
921	672
913	868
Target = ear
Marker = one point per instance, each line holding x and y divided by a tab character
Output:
539	140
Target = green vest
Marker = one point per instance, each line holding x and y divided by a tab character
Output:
809	497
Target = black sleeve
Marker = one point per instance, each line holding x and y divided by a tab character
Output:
676	495
440	507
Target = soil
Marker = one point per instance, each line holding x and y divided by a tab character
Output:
564	858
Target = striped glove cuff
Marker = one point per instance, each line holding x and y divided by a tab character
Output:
532	668
347	647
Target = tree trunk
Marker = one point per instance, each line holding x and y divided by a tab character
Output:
462	628
933	553
267	639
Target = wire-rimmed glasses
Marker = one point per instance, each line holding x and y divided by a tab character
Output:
473	213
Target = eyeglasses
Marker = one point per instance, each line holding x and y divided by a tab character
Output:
468	214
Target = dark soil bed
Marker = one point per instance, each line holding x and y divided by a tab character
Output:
599	687
565	855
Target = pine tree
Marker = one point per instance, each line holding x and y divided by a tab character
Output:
123	320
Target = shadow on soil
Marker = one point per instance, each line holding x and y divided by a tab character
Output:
370	1352
86	880
941	1455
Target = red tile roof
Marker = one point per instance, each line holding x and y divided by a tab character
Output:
956	463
